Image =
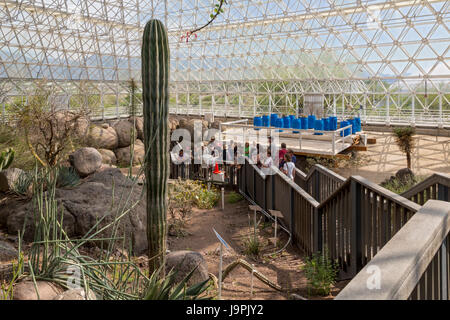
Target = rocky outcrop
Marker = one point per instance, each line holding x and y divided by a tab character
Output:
101	196
103	137
124	132
139	122
7	251
86	161
26	290
124	154
108	156
183	262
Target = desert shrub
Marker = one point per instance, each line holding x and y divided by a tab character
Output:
321	273
252	246
401	185
204	198
48	130
234	197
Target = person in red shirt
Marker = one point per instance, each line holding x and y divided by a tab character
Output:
281	154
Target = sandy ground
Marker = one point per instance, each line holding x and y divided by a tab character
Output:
233	225
431	154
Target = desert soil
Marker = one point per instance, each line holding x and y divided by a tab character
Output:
233	224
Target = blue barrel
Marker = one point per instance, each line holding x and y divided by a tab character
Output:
296	124
326	124
257	122
265	121
286	122
273	119
279	124
311	121
304	123
318	125
292	117
346	131
333	123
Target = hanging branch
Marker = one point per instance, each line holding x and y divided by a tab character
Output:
217	10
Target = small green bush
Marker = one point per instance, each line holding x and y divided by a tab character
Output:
234	197
321	273
252	246
206	199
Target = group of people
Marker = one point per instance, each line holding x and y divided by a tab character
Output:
285	161
214	150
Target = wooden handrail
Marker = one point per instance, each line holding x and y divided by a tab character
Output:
394	197
436	178
397	268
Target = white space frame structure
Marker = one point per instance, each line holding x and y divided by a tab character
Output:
387	61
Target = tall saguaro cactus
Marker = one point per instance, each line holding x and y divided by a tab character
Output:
155	89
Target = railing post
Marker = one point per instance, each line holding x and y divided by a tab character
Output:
254	185
442	192
292	214
444	270
317	231
317	186
272	177
356	246
265	193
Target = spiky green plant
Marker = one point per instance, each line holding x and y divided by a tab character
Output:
6	158
166	288
67	177
155	91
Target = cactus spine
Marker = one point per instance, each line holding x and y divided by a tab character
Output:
155	94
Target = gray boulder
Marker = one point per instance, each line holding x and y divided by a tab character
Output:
8	178
139	127
108	156
124	132
183	262
26	290
103	137
94	199
7	251
86	161
124	154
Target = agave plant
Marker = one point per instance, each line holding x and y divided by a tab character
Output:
6	158
166	288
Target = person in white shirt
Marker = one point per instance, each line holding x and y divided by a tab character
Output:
267	163
288	167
